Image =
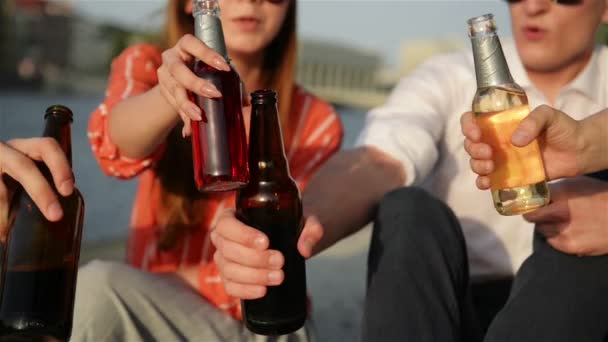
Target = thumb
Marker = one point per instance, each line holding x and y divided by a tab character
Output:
311	234
530	127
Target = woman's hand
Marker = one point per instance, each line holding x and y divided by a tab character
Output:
176	78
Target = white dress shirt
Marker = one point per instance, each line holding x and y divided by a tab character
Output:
420	126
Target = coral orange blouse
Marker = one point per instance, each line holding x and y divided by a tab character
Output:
318	135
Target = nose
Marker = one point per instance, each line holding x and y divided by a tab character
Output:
536	7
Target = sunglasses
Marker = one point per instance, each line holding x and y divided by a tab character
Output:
276	2
559	2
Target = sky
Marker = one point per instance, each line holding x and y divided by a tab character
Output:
377	25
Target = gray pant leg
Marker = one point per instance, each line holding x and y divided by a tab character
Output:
116	302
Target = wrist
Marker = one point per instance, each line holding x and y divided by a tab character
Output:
593	152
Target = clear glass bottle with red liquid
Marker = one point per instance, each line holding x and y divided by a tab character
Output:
219	140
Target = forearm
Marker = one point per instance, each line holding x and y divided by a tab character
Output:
594	131
345	192
138	125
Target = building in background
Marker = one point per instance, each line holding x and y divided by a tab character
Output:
31	50
47	45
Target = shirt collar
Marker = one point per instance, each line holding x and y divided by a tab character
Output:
587	82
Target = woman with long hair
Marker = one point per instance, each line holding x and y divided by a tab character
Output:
171	288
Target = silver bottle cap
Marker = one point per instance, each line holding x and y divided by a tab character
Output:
491	66
208	26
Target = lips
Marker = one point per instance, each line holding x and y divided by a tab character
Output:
247	23
534	33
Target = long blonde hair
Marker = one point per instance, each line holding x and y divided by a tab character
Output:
182	207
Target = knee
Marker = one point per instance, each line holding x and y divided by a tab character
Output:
405	209
405	202
99	277
98	305
411	215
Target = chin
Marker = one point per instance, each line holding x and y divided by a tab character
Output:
541	63
244	47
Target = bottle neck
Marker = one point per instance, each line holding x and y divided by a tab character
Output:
208	26
58	127
491	66
267	160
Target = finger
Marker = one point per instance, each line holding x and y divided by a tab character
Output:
49	151
530	127
483	182
564	240
311	235
482	167
555	212
469	127
243	291
247	275
25	172
4	204
188	80
548	230
478	150
229	227
232	251
194	47
182	103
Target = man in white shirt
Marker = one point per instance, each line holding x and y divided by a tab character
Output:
410	163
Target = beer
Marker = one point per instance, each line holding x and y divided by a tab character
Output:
40	258
219	142
518	180
271	203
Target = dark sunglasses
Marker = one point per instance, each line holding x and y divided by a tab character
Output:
559	2
277	2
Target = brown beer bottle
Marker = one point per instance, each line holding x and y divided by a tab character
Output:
271	203
219	141
40	258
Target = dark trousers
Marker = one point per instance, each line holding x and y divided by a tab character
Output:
418	284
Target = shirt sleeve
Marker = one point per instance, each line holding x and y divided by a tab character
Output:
410	125
317	138
132	73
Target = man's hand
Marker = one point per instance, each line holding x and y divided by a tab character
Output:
16	161
576	220
561	140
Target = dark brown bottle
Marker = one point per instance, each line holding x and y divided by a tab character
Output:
40	258
271	203
219	141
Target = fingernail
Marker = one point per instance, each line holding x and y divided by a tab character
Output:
274	276
260	242
275	260
519	137
212	91
196	113
67	187
221	64
54	211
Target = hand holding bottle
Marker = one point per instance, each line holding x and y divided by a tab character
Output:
245	261
176	79
16	161
564	142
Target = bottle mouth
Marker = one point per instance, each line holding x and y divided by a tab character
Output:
205	7
263	96
59	110
481	24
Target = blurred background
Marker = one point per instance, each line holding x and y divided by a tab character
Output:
351	53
